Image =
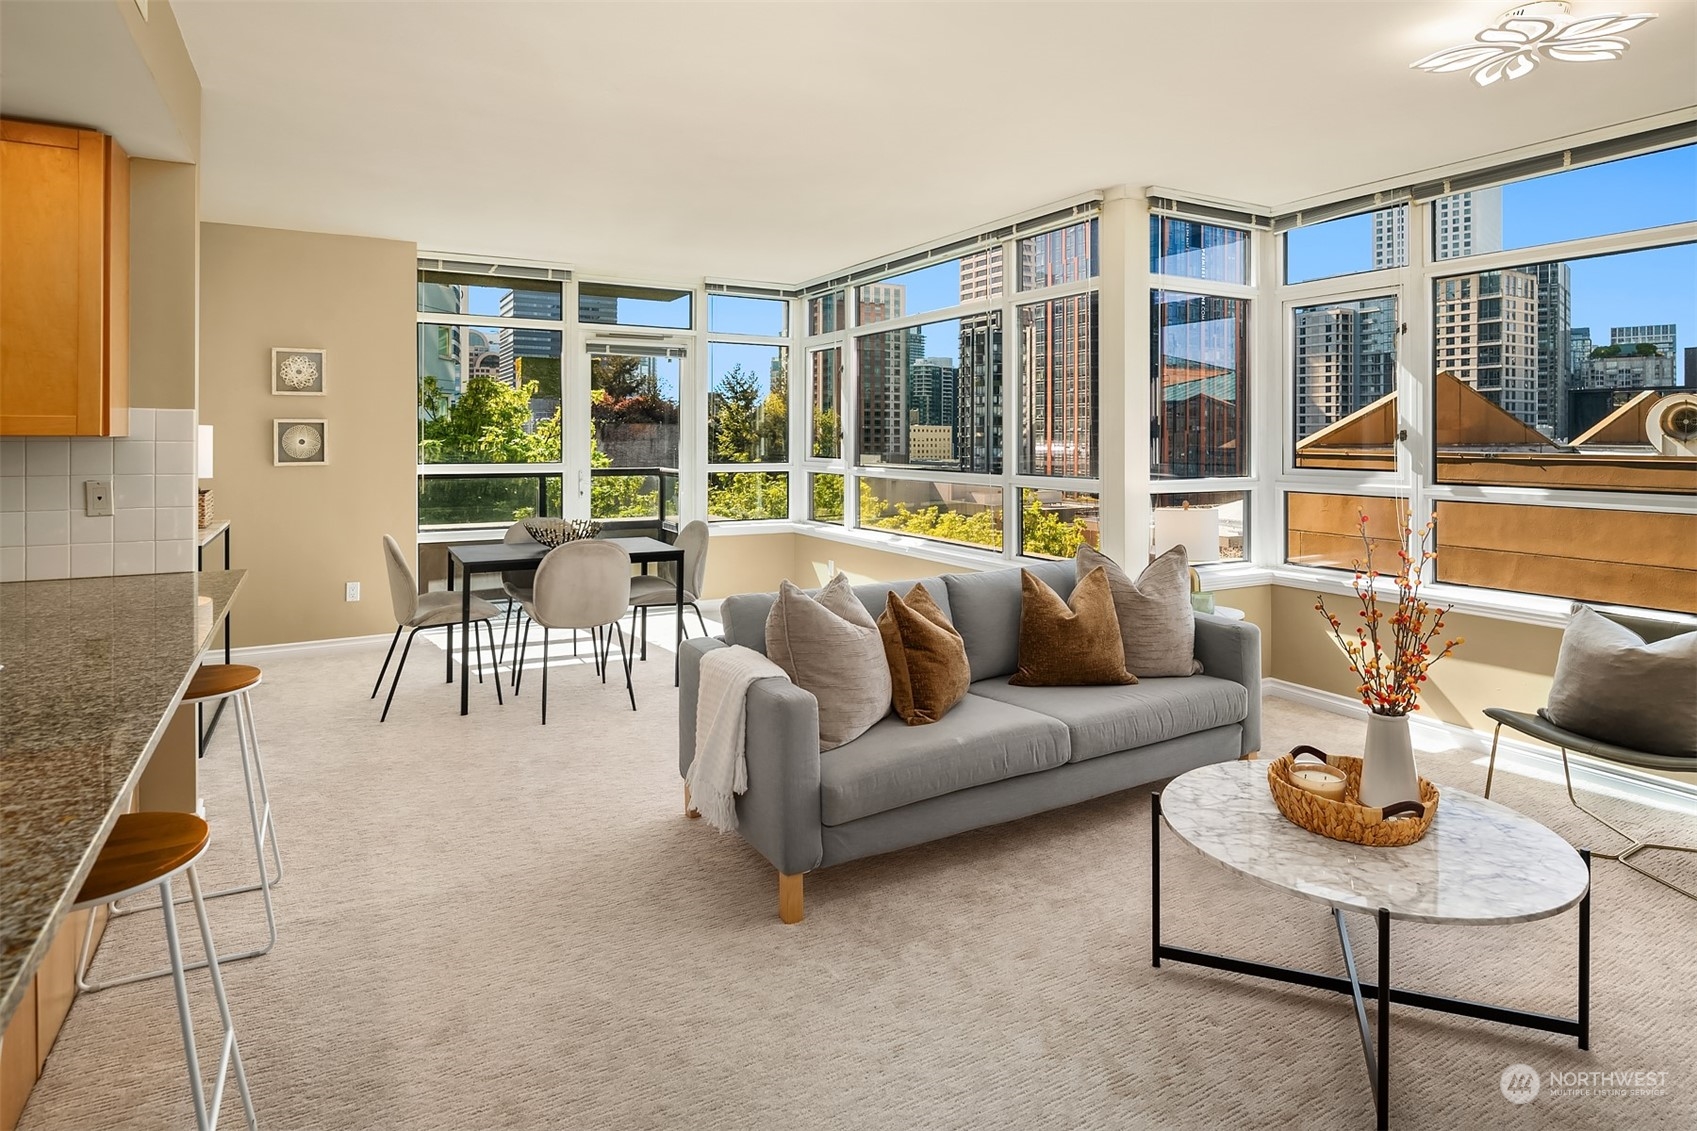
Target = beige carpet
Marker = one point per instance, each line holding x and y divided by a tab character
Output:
488	924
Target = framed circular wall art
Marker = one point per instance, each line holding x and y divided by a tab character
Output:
298	443
297	372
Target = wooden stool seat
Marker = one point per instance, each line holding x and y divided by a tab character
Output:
212	680
144	848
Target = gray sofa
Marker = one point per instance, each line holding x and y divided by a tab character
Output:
1004	753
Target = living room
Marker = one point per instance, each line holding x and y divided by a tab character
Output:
962	459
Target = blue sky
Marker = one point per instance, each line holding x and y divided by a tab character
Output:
1630	289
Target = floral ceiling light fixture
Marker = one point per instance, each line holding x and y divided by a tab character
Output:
1531	32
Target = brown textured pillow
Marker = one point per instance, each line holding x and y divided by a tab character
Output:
1157	622
928	669
1069	647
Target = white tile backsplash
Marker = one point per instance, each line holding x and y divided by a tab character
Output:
131	456
174	490
91	457
12	457
46	456
173	458
176	556
173	523
173	426
133	526
43	530
47	528
47	492
92	560
46	563
86	530
132	492
132	557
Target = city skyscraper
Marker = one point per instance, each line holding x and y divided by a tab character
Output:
515	342
1487	335
978	413
881	361
1345	360
1463	223
1061	385
1555	314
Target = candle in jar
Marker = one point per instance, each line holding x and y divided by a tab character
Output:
1323	780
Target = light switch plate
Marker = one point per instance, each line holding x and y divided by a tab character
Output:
97	497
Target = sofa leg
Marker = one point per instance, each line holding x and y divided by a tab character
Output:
689	810
789	898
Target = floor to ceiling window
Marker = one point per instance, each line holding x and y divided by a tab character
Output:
1537	323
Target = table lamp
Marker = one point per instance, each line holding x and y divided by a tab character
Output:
1197	529
203	470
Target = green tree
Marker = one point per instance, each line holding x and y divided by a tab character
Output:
741	495
733	424
1645	349
828	498
1046	535
978	528
1606	351
827	435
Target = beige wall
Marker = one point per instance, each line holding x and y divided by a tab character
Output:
813	558
1503	663
747	563
302	532
164	283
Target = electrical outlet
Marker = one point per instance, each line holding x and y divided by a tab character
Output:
353	591
97	497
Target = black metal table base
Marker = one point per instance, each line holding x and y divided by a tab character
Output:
1375	1040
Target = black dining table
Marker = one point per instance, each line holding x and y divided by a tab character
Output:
498	557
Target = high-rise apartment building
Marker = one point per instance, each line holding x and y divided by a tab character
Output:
1060	385
1345	360
524	342
881	361
1463	223
1664	337
933	391
978	413
981	274
1690	374
1487	335
1555	313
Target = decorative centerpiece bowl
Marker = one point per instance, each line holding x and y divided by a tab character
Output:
1392	826
552	532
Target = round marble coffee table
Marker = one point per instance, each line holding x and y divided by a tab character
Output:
1479	863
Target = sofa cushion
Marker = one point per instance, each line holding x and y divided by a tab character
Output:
744	615
1069	643
1101	720
1157	622
985	609
893	764
830	646
1612	686
928	673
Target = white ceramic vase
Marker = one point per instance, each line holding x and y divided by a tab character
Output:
1387	764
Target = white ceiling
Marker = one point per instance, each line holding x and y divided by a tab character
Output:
783	141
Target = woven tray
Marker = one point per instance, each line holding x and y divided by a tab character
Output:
1347	819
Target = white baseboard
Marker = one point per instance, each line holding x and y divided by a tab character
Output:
1514	753
301	648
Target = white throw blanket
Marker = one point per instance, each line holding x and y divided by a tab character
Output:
720	769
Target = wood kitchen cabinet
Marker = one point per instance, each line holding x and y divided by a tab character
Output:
64	282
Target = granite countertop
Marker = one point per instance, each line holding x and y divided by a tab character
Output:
92	668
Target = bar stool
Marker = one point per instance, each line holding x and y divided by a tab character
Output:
212	683
147	850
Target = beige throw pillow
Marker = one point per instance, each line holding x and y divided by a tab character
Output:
830	646
1157	623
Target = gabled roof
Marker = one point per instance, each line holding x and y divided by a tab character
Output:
1624	427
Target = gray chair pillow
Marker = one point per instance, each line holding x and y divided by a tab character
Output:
1157	623
829	645
1612	686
